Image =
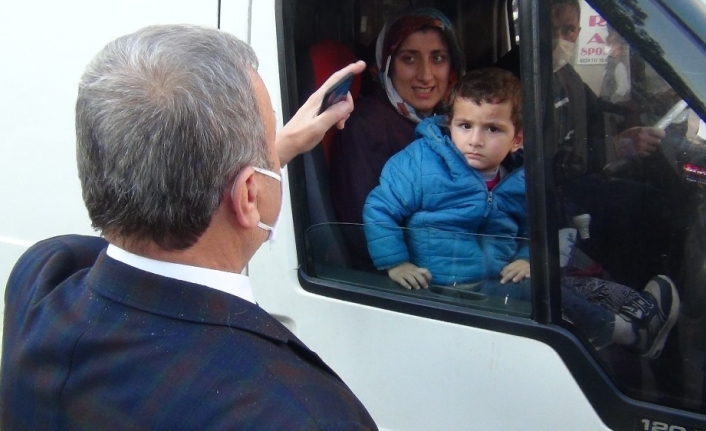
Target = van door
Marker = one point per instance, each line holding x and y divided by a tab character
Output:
444	358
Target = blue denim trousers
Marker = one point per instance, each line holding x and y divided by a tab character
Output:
594	319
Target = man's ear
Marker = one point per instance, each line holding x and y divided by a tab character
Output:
517	141
243	198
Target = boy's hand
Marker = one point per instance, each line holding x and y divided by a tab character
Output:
515	271
410	276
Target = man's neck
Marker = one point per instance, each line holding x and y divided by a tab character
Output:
212	250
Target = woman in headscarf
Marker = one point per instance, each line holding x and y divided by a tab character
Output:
418	59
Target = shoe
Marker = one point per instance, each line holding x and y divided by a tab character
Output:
638	309
659	318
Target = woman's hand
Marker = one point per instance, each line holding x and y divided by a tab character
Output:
515	271
410	276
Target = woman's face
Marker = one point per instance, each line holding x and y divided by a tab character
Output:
420	70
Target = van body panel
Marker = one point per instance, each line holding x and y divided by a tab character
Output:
456	370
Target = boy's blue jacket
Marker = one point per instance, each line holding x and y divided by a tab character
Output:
452	225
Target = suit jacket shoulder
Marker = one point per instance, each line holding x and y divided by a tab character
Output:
96	344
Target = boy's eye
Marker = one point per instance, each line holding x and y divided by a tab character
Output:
464	126
493	129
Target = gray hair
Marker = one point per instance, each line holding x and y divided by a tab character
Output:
166	118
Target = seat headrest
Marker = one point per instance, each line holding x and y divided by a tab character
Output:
328	56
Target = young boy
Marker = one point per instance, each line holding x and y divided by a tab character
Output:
451	209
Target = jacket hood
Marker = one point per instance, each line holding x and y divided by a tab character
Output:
433	129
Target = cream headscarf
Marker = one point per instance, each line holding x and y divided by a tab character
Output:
395	31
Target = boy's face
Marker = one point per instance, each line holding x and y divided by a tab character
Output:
484	133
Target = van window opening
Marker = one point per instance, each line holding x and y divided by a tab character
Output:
630	218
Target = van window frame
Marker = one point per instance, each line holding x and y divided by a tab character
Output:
410	305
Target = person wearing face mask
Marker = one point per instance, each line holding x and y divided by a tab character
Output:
578	114
631	231
621	210
581	146
418	58
153	326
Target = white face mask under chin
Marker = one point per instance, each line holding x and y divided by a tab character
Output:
272	230
563	51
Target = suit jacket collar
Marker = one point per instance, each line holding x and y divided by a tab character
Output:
182	300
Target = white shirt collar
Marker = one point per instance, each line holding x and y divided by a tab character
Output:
228	282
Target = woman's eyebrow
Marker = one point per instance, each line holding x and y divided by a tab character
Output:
419	50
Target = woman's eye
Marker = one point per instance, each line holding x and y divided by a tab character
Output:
440	58
408	59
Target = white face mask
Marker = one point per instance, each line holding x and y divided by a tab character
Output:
563	51
272	229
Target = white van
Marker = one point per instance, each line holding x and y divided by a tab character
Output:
441	358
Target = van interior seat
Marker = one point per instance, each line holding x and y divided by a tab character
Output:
328	56
314	67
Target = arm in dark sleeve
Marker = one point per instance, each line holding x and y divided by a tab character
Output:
595	133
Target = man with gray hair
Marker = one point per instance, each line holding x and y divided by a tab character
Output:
153	327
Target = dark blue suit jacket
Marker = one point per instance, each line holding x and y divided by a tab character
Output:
93	344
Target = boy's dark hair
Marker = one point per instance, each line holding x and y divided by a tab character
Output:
489	85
